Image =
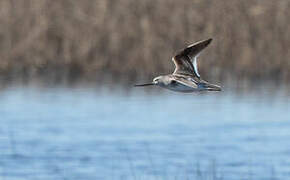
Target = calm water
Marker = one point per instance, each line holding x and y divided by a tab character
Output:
91	134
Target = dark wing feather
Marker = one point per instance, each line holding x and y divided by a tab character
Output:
184	59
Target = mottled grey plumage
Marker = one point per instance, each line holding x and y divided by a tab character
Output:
185	77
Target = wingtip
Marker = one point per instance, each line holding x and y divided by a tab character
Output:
209	40
204	43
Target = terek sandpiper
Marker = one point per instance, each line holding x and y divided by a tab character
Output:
185	77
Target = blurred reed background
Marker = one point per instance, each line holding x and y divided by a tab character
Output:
124	41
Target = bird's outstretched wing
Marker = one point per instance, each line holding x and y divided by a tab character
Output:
185	60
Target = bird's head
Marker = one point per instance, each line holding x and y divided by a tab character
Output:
157	80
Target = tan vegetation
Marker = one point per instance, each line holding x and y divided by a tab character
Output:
71	40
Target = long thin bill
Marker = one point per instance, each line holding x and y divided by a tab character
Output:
147	84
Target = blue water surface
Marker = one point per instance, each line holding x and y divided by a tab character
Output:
91	134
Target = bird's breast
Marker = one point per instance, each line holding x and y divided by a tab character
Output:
175	86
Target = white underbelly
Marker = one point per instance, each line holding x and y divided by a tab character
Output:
180	88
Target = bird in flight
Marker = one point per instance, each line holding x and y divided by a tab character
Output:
185	77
